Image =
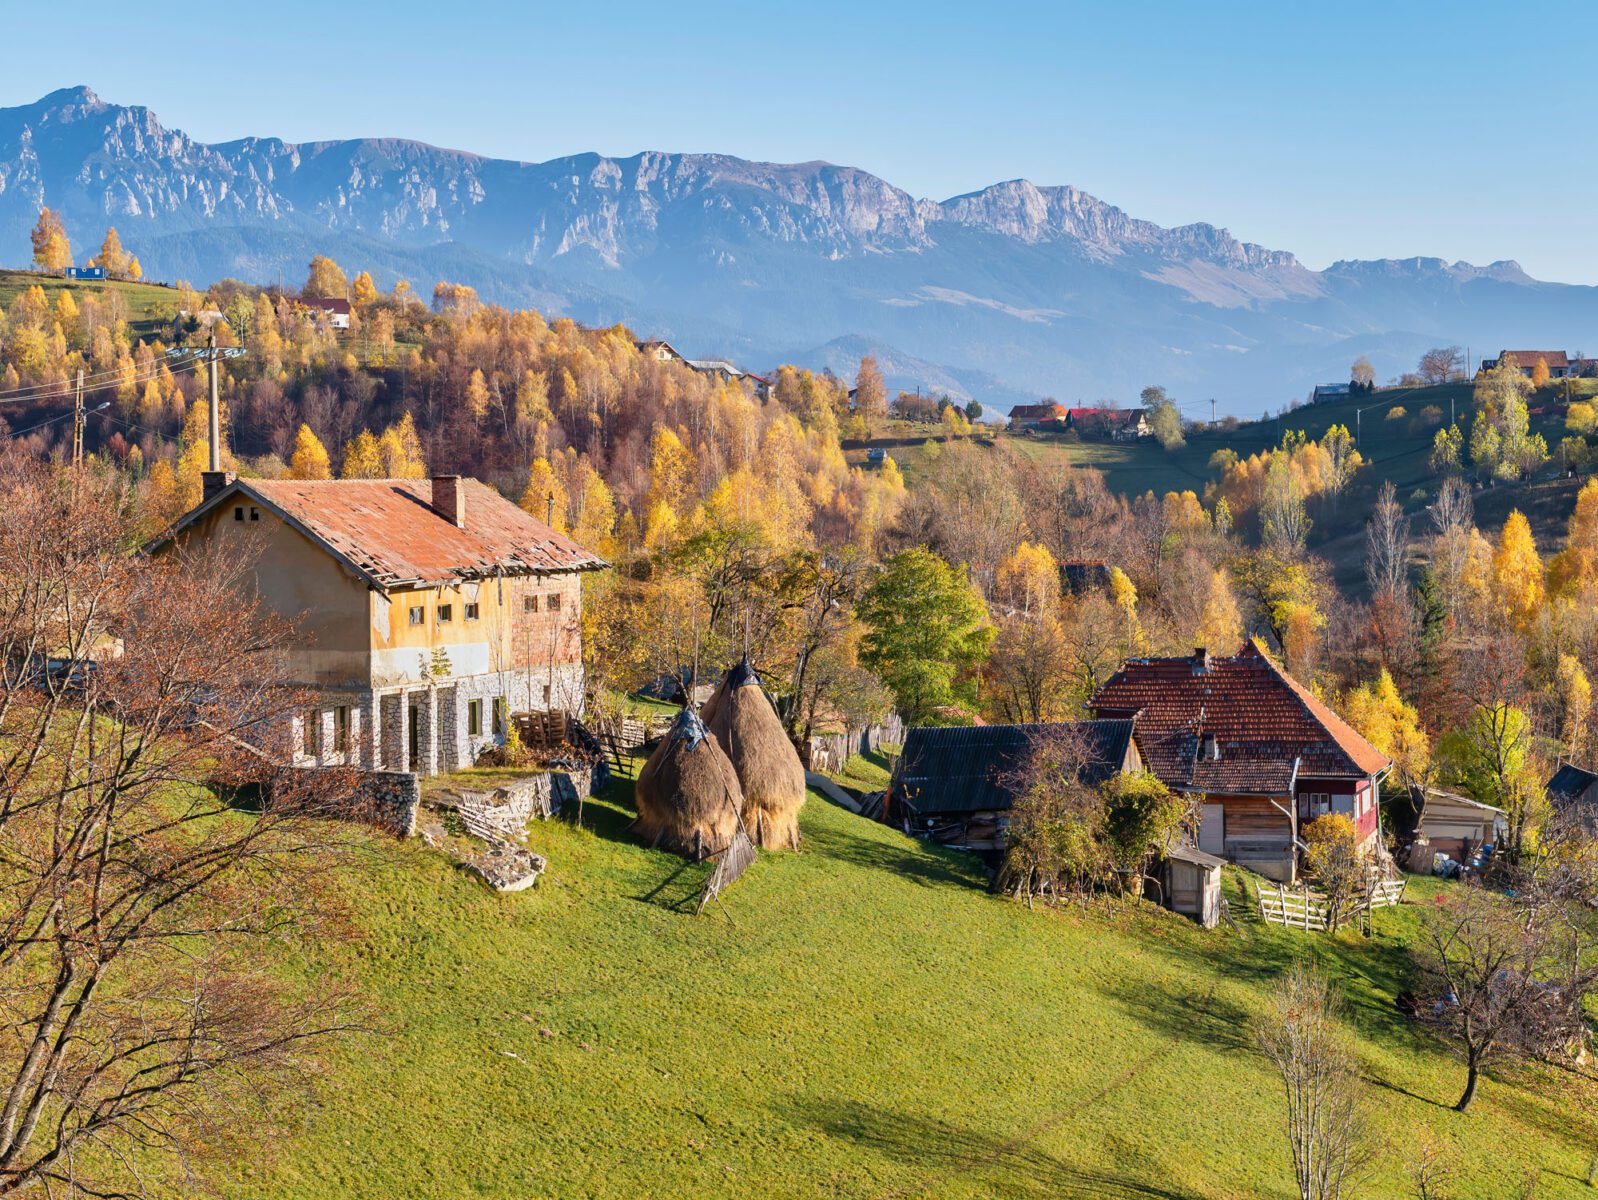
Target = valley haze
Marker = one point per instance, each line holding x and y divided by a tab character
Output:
1005	294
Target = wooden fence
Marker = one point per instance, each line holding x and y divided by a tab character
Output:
1304	908
829	751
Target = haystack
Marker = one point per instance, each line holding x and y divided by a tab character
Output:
687	795
743	720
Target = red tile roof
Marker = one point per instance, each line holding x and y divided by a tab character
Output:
1527	359
387	531
332	304
1267	727
1028	412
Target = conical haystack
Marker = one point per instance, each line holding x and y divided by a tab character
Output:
745	723
687	795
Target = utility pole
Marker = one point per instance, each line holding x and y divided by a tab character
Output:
215	428
1212	412
77	422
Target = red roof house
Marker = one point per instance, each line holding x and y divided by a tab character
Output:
1263	753
1029	416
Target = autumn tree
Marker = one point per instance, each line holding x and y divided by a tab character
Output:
871	395
1284	521
142	911
1328	1130
1539	374
363	292
545	496
1334	863
1447	453
1517	572
927	633
51	249
326	280
309	460
112	256
1362	375
1055	844
362	458
1142	818
1385	720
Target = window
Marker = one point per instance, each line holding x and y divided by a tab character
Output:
554	602
546	695
446	613
313	732
238	512
471	611
529	603
255	513
1319	803
341	729
474	717
499	716
416	615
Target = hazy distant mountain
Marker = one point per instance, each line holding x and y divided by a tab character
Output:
1011	291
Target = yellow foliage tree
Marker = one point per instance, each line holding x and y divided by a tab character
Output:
1221	625
1384	720
1576	566
596	515
51	249
1029	579
545	496
1575	705
326	280
112	256
477	395
1539	374
363	292
363	459
671	473
401	451
1517	572
309	460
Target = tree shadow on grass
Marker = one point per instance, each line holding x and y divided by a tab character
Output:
934	1154
928	865
1202	1018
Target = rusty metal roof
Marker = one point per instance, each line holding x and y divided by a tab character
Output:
387	531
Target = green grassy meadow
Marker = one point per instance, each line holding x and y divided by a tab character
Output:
149	304
860	1019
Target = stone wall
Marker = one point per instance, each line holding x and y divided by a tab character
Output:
503	812
386	800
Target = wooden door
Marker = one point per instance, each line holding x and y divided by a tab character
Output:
1212	829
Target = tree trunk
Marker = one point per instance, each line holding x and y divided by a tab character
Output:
1472	1073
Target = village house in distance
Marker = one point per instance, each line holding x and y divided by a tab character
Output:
432	610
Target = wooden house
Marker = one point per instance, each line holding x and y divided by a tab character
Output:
1573	789
1262	754
956	784
1034	416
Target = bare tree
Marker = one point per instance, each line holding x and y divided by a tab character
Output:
1326	1127
1387	544
1056	843
1502	982
1440	364
139	700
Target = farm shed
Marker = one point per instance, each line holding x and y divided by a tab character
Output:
955	784
1189	882
1451	823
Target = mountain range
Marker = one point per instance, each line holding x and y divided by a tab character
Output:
1005	294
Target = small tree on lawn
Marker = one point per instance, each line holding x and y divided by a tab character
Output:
1327	1130
1056	823
1141	818
1334	864
1501	982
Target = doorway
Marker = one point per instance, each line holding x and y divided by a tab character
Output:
413	741
1212	829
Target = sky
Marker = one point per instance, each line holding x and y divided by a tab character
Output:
1347	130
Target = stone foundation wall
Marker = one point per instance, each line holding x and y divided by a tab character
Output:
503	812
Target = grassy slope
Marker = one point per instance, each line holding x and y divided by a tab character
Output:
144	300
868	1022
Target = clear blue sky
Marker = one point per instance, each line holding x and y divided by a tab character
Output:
1352	129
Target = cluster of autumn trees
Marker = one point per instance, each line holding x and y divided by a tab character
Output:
52	249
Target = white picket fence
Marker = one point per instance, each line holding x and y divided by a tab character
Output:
1304	908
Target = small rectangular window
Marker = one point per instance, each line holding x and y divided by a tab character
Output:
238	513
474	717
499	715
546	695
529	603
554	602
313	732
341	729
471	612
446	613
255	513
416	615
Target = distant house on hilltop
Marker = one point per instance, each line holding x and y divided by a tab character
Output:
1261	754
1326	393
1558	361
336	310
1117	424
1032	416
659	350
431	610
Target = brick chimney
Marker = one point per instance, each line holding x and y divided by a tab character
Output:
449	499
212	483
1201	660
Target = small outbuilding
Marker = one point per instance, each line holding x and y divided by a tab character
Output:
1457	825
1189	882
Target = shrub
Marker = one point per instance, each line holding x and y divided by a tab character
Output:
1397	413
1334	863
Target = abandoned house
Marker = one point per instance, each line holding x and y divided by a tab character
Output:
957	784
432	610
1261	754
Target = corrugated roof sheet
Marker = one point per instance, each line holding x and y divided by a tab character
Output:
1263	721
964	769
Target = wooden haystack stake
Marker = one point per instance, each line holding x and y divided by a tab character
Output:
687	795
743	720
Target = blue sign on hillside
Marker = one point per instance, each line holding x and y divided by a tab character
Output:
85	272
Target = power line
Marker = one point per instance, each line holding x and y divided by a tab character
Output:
47	391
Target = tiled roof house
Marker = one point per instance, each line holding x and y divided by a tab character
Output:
1263	753
428	610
